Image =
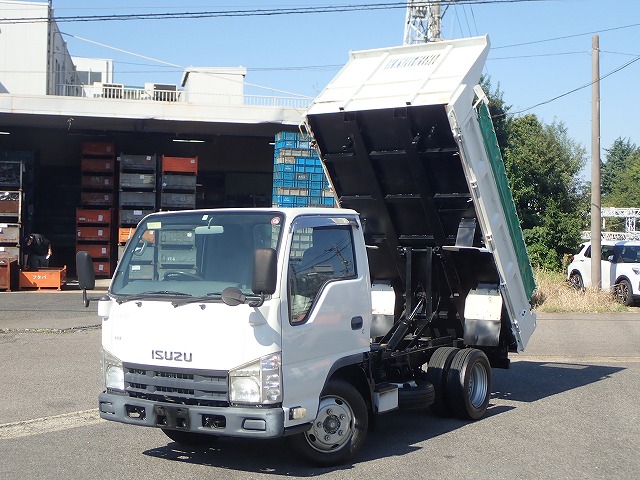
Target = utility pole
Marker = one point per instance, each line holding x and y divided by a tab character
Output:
423	22
596	213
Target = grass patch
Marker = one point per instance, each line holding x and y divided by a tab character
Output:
554	294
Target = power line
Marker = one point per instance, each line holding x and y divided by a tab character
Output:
534	55
616	70
566	36
250	12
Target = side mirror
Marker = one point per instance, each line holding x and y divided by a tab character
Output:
233	296
264	271
86	275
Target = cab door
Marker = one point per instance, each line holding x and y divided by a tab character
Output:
327	317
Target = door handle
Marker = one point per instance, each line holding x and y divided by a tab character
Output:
356	323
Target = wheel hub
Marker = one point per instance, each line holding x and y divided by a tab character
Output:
478	385
333	425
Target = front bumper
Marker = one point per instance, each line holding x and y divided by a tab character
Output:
220	421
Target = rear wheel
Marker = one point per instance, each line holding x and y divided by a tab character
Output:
469	384
624	292
437	372
189	438
339	428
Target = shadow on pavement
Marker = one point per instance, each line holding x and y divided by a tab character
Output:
396	433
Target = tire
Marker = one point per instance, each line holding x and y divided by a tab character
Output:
437	372
418	397
469	384
339	428
575	279
189	438
624	292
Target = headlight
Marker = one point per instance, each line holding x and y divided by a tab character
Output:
257	382
112	372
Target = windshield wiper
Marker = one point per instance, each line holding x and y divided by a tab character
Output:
208	297
151	293
166	292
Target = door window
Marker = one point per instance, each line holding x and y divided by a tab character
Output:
318	255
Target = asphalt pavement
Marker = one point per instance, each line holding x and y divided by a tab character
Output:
48	309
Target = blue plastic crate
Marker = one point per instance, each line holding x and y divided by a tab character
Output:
278	176
286	144
283	167
302	176
286	136
301	184
284	200
301	201
315	192
328	201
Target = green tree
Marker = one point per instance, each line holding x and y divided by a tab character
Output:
543	164
617	159
626	190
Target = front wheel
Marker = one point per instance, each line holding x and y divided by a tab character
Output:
624	292
469	384
575	279
339	428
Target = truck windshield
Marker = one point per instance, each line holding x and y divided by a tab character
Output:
196	254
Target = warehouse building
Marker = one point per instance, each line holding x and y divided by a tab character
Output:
60	116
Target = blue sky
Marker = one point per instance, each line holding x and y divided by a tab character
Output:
540	49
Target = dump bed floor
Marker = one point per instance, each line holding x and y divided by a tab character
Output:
400	168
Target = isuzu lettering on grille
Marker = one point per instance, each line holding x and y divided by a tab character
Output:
171	356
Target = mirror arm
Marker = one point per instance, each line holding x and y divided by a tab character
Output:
259	302
87	300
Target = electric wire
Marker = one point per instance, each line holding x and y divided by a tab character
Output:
616	70
251	12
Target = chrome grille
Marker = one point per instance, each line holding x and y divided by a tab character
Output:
199	387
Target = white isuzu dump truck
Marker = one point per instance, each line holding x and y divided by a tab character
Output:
307	323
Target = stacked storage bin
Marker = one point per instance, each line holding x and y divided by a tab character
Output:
178	183
298	177
11	208
12	213
138	177
94	218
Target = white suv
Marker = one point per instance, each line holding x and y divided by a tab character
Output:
620	269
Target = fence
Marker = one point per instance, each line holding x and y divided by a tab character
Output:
121	92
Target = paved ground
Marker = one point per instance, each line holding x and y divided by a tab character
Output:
49	309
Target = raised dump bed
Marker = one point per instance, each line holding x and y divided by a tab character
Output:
406	140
